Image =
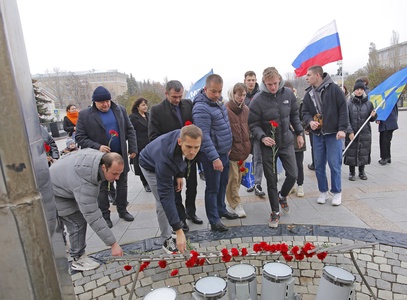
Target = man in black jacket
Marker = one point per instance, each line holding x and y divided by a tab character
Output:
326	112
105	126
170	114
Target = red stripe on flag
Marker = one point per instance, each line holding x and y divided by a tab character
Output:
320	59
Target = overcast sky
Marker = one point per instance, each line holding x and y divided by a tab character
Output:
183	40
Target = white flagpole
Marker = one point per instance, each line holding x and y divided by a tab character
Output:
367	120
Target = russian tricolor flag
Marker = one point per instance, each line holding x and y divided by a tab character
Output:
323	48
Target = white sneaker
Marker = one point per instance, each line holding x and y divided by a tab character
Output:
169	246
300	191
322	198
293	190
240	211
337	199
84	263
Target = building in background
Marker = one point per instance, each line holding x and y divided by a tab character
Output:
395	55
77	87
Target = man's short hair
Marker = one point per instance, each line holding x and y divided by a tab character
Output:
192	131
270	72
174	85
214	78
317	70
111	157
249	73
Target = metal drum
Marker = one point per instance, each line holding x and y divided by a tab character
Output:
165	293
242	283
210	287
336	284
277	282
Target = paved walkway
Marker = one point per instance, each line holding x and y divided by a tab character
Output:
378	203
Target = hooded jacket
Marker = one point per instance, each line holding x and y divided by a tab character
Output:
213	120
238	118
334	108
163	156
76	178
280	107
250	95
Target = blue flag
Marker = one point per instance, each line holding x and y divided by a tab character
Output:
388	92
193	91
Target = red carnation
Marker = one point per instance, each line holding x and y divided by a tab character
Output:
322	255
256	248
273	248
242	169
194	253
299	256
190	262
113	133
187	123
273	123
226	258
144	265
284	248
234	252
244	252
47	147
240	162
287	257
127	267
295	249
162	264
201	261
224	251
174	273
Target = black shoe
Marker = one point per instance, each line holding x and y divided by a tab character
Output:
219	227
147	188
311	167
352	177
126	216
249	190
385	161
109	223
195	219
185	226
363	176
229	216
258	191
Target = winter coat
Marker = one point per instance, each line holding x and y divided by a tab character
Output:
69	127
359	151
140	125
250	95
281	108
50	141
76	178
91	133
238	119
213	120
163	156
163	117
391	121
334	108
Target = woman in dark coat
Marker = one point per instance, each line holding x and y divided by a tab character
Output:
139	119
70	120
360	109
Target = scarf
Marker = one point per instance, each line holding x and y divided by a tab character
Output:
72	116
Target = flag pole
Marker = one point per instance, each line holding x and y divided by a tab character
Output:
357	133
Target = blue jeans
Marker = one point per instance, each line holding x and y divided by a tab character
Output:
328	149
215	190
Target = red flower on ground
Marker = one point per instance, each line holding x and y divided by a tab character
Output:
322	255
257	248
226	258
244	252
144	265
295	249
174	273
287	257
225	251
201	261
162	264
284	248
187	123
194	253
234	252
127	267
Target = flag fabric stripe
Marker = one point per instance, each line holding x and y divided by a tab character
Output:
321	59
325	45
322	45
388	91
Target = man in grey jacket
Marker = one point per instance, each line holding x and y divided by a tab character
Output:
76	179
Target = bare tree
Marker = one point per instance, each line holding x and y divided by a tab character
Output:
78	90
394	52
54	83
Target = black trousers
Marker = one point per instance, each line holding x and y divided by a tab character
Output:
385	138
121	196
190	195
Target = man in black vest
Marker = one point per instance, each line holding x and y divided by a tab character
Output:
170	114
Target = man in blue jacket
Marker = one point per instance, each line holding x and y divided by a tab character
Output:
170	156
210	114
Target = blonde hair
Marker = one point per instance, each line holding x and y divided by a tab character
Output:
270	72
